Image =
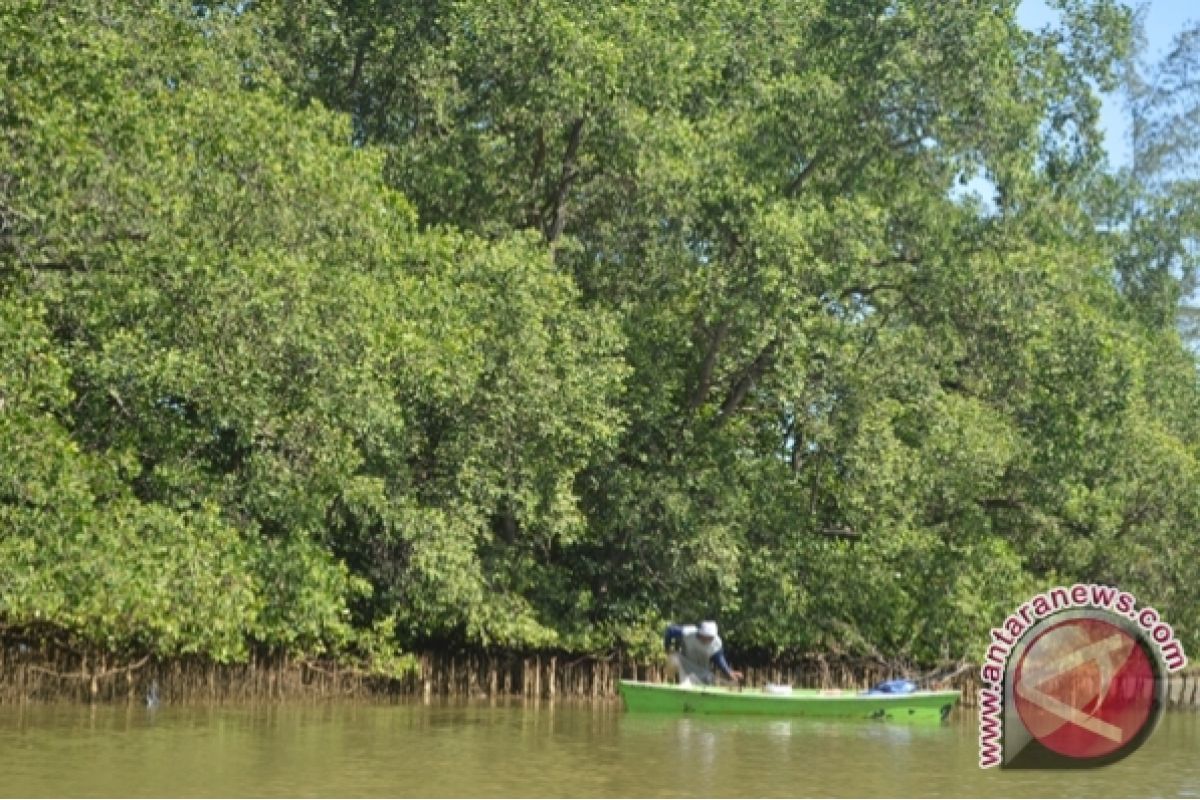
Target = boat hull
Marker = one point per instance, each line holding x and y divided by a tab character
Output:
670	699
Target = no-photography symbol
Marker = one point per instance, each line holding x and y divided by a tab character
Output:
1086	690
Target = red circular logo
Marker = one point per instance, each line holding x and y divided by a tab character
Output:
1084	688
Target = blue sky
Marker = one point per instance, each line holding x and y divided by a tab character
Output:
1163	19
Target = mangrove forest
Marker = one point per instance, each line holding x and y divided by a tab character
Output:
344	331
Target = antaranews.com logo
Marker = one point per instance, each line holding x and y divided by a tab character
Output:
1076	677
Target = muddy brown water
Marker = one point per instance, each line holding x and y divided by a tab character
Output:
512	748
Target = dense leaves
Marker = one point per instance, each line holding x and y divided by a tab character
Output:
355	327
234	371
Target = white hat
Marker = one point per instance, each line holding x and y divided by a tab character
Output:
707	628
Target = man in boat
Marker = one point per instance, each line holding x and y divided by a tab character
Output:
693	651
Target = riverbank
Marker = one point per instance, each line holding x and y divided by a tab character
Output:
28	675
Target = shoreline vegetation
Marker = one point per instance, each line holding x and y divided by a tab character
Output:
27	676
349	332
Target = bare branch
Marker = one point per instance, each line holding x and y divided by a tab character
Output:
566	178
704	382
748	378
360	56
533	216
797	183
85	675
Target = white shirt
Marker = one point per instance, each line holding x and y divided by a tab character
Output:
695	656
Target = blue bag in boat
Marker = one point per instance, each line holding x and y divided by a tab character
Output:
893	687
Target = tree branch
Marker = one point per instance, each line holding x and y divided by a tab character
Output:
704	382
533	217
360	56
745	382
566	178
797	183
85	675
844	532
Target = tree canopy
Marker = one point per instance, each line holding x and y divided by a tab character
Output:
351	326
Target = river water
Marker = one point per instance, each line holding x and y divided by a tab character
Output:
531	749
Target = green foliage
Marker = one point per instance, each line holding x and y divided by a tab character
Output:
345	328
79	552
1153	205
246	342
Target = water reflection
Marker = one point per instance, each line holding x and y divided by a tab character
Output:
697	747
782	728
513	749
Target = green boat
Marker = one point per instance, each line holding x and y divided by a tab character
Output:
672	699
